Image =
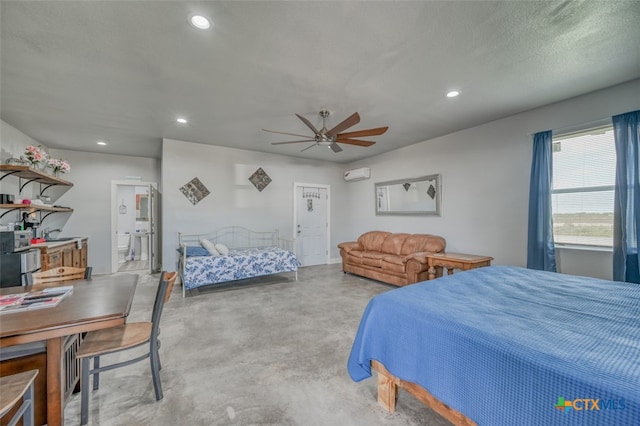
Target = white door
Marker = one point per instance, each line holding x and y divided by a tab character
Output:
312	227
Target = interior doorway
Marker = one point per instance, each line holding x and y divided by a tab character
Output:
134	223
311	226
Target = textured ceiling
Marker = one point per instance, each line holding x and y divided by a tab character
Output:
73	73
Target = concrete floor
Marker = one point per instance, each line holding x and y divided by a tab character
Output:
270	353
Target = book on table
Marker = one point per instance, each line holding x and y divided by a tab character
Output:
45	298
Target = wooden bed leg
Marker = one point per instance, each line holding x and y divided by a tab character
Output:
387	392
388	386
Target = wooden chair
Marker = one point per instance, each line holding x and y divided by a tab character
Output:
14	387
127	336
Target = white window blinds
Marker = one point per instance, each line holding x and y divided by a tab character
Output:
583	184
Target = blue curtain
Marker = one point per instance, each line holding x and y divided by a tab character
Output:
540	248
626	208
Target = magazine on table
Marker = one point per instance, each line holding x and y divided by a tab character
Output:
45	298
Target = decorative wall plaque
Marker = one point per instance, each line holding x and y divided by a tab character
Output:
431	191
260	179
194	190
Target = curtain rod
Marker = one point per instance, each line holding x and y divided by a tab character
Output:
578	127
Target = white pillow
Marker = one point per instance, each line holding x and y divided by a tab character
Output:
222	249
210	247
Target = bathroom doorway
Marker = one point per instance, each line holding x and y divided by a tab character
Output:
134	242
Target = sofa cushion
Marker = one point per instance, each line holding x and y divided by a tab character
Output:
372	258
393	243
394	263
372	240
423	242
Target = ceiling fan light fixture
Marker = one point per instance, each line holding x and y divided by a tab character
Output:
335	136
200	22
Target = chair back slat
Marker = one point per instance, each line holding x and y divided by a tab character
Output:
171	279
167	280
65	273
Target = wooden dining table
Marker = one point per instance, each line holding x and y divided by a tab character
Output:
98	303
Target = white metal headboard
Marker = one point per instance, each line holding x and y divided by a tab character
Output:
237	237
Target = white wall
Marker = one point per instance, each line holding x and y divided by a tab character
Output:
90	197
233	199
485	172
12	144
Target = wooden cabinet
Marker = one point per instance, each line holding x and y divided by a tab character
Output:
51	260
67	254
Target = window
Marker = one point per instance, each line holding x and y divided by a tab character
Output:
584	166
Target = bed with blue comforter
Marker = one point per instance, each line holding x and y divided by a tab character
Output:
511	346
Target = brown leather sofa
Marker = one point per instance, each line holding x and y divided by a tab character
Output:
397	259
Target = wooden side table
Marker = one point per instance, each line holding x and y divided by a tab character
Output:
453	261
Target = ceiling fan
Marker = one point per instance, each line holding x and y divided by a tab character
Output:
331	138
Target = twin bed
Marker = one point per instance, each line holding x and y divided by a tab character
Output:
507	346
251	254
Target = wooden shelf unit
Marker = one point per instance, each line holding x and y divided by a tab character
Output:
36	207
25	172
31	175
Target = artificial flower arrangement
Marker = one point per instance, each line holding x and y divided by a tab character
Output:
58	166
35	154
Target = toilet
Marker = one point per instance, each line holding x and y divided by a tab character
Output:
124	242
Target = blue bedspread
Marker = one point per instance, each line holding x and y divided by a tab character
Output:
238	265
503	345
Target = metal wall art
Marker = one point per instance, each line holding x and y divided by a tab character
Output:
194	190
260	179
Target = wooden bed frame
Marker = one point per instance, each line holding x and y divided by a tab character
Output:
388	386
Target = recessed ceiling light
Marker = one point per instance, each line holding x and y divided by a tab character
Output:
453	94
200	22
182	120
101	143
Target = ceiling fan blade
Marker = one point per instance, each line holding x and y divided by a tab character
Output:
282	143
352	120
360	133
335	147
356	142
285	133
308	123
308	147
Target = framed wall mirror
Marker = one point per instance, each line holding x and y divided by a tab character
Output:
142	207
412	196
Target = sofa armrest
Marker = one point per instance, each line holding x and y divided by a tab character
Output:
352	245
421	257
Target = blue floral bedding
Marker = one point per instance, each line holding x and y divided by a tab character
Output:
239	264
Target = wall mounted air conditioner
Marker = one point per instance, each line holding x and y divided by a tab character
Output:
357	174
